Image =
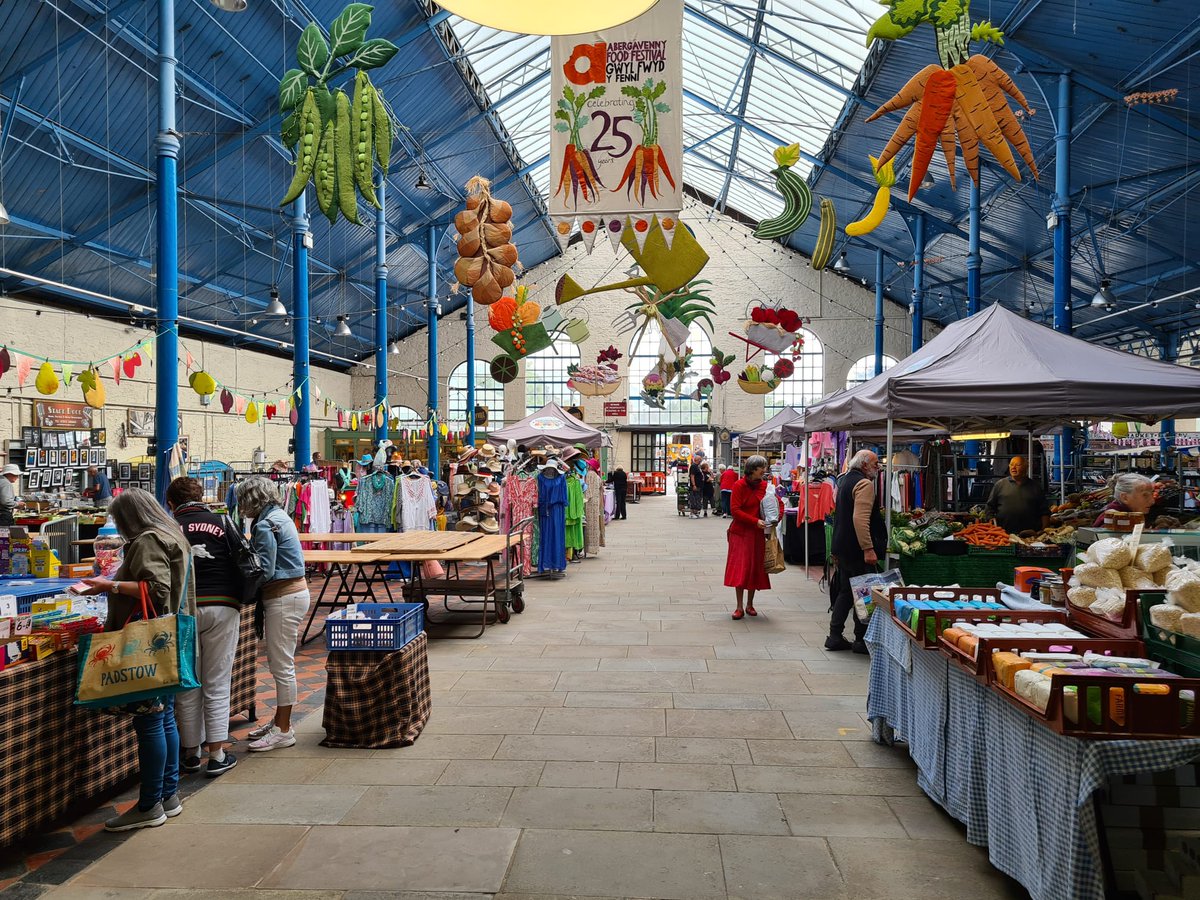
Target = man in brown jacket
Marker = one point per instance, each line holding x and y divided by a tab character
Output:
859	541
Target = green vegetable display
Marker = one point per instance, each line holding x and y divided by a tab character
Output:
337	140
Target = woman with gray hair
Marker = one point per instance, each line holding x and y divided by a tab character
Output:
745	564
158	559
1131	493
285	599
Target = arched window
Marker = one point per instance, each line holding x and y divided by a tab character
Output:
488	392
407	417
677	410
546	376
864	369
807	383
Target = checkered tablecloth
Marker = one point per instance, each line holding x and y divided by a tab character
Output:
377	699
1022	790
57	757
244	686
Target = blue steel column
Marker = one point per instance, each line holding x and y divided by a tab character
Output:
166	252
434	435
1061	204
302	434
1062	208
878	310
470	371
381	310
1166	428
918	295
974	260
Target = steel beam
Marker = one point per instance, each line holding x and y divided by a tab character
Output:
431	414
1062	208
166	145
301	238
918	295
743	101
381	309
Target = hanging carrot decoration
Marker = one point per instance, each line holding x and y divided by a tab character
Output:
577	161
962	100
648	159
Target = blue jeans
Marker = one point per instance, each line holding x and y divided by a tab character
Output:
158	755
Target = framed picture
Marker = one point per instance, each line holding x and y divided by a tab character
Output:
31	454
73	457
141	422
32	480
42	456
99	437
62	457
31	436
146	486
145	472
57	478
126	472
52	457
101	456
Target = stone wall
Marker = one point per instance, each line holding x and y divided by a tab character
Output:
62	334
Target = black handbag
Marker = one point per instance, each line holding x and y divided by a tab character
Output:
246	560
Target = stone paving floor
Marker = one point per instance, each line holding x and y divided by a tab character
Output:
623	738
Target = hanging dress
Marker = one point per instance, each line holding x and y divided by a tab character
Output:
593	514
519	501
574	513
552	523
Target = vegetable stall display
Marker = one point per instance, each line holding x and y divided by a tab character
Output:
337	139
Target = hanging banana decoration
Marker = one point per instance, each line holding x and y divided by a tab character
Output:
797	198
337	139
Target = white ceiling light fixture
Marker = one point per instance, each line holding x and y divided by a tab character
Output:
395	349
343	328
1104	297
4	219
275	308
927	182
841	265
230	5
548	16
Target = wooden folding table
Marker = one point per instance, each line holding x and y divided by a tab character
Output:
367	569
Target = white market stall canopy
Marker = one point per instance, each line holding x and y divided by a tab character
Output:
553	426
998	369
769	433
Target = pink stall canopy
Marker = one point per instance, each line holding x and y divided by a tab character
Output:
552	426
999	369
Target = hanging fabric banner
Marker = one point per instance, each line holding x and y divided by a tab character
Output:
616	147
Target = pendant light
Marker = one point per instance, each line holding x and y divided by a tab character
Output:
4	219
423	182
1104	297
927	182
395	348
230	5
841	265
548	16
275	308
343	329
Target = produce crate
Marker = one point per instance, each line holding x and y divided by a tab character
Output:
1179	651
374	632
1145	716
929	568
948	547
923	634
977	666
1104	627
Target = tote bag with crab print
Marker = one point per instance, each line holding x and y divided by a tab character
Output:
154	656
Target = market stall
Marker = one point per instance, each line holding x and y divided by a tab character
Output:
552	426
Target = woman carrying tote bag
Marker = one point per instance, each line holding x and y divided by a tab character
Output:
158	561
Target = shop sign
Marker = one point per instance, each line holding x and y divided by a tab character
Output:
1182	439
614	409
63	416
547	423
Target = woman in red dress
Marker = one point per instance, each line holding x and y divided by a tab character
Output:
745	569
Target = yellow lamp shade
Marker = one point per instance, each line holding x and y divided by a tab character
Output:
548	16
1120	429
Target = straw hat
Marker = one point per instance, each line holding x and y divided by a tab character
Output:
493	489
487	509
489	525
487	451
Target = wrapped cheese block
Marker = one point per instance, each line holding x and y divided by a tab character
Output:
953	633
1111	553
969	643
1164	615
1034	687
1153	557
1007	665
1097	576
1057	659
1070	702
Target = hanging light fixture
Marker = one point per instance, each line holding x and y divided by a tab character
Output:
275	308
343	329
230	5
395	348
841	265
548	16
927	182
1104	297
423	182
4	219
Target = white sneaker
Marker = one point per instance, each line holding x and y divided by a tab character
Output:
274	740
261	731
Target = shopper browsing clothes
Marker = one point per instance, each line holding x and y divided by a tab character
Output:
1018	503
285	599
203	714
620	482
745	566
158	557
859	540
728	477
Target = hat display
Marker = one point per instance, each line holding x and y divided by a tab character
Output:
487	451
493	489
463	489
366	460
487	509
489	525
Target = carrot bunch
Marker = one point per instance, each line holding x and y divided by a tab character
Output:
648	160
983	534
577	161
965	104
